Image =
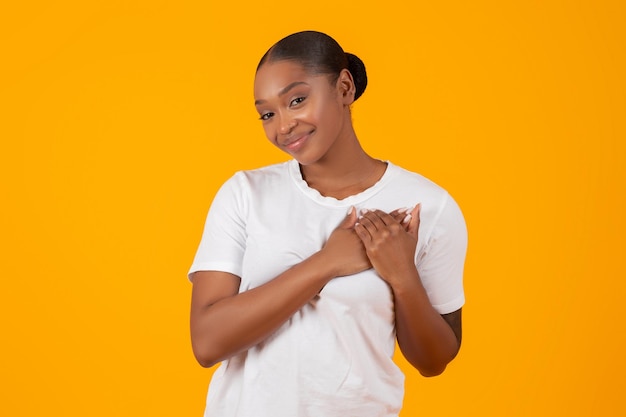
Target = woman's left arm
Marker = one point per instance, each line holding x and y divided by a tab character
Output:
428	340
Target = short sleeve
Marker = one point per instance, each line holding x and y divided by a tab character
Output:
441	264
223	240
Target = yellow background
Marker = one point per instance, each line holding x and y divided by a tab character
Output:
119	120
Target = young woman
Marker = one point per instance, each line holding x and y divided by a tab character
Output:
309	270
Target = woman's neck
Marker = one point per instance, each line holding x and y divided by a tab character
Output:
345	171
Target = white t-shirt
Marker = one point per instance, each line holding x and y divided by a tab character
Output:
333	358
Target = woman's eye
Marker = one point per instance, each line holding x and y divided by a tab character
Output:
266	116
297	101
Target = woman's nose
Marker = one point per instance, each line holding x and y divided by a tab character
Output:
287	125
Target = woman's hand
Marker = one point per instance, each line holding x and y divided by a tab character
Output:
344	250
390	241
404	216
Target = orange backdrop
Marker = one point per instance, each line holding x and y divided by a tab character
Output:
119	120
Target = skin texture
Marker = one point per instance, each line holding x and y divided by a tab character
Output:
308	116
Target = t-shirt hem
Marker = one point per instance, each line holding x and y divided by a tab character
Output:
450	306
215	266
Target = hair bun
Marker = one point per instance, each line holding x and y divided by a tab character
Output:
357	69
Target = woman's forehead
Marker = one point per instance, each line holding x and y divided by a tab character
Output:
274	77
280	70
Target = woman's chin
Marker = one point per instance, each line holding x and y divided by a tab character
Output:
304	160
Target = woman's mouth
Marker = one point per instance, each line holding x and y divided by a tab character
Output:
297	143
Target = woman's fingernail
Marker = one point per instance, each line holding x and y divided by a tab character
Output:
403	210
407	218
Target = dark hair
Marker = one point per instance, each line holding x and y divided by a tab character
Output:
319	54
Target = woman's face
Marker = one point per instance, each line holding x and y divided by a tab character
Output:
302	114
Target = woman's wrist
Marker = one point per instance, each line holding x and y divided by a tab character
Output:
406	282
323	269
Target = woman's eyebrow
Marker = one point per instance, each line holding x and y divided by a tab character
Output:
283	91
290	86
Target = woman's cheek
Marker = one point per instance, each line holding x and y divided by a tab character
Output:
270	134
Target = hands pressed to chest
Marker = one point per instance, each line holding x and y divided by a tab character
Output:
383	241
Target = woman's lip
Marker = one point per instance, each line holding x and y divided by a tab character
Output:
297	144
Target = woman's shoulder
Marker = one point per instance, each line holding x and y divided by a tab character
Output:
272	169
417	188
249	184
440	214
258	178
406	178
265	173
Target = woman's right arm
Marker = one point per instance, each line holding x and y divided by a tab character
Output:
225	322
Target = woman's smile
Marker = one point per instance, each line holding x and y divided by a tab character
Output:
295	143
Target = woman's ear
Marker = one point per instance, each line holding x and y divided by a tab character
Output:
346	86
